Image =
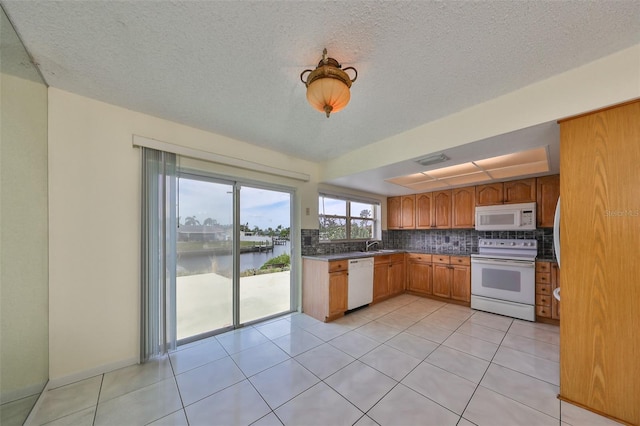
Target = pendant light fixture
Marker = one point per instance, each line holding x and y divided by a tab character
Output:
328	85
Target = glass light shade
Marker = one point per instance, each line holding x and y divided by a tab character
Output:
328	91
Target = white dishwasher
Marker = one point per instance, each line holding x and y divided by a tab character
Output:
360	282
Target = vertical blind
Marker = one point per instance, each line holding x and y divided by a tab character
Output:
158	333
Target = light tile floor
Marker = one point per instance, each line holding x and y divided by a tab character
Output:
405	361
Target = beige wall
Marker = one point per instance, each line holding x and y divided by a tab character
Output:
23	237
94	214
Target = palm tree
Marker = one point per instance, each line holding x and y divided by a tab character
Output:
191	221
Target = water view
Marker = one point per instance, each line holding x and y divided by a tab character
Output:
202	263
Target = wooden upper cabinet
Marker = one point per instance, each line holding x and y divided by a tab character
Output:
424	211
442	209
490	194
401	212
408	211
520	191
463	206
394	212
548	191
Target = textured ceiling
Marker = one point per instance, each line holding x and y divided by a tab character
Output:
232	67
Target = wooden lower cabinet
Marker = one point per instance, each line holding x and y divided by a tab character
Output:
442	280
380	279
388	276
396	274
338	293
325	288
419	273
546	281
461	282
452	277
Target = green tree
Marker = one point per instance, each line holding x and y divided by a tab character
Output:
209	222
191	221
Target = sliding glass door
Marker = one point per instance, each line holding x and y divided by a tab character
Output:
232	255
265	253
204	257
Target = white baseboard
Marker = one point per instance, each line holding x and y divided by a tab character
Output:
76	377
15	395
102	369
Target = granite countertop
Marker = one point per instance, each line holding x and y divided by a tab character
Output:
362	254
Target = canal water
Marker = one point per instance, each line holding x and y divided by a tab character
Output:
222	264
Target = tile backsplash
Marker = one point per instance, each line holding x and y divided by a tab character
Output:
450	241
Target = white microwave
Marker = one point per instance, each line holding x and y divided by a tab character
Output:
506	217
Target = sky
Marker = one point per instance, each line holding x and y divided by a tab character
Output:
258	207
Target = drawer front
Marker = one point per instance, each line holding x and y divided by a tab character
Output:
543	311
436	258
543	300
397	257
544	289
381	259
460	260
415	257
338	265
543	267
543	277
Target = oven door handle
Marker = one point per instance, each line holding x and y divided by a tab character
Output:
505	262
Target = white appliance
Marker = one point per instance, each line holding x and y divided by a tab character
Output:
506	217
503	277
360	282
556	243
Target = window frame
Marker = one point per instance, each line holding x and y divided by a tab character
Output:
348	217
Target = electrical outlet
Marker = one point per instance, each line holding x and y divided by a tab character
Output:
308	211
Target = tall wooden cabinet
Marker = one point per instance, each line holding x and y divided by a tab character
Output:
599	269
547	193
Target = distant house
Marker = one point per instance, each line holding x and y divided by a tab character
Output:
203	233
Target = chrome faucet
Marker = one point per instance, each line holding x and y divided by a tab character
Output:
369	244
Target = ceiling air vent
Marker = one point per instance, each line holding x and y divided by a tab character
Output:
432	159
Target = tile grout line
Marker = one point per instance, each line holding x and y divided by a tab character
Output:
485	371
175	380
95	413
